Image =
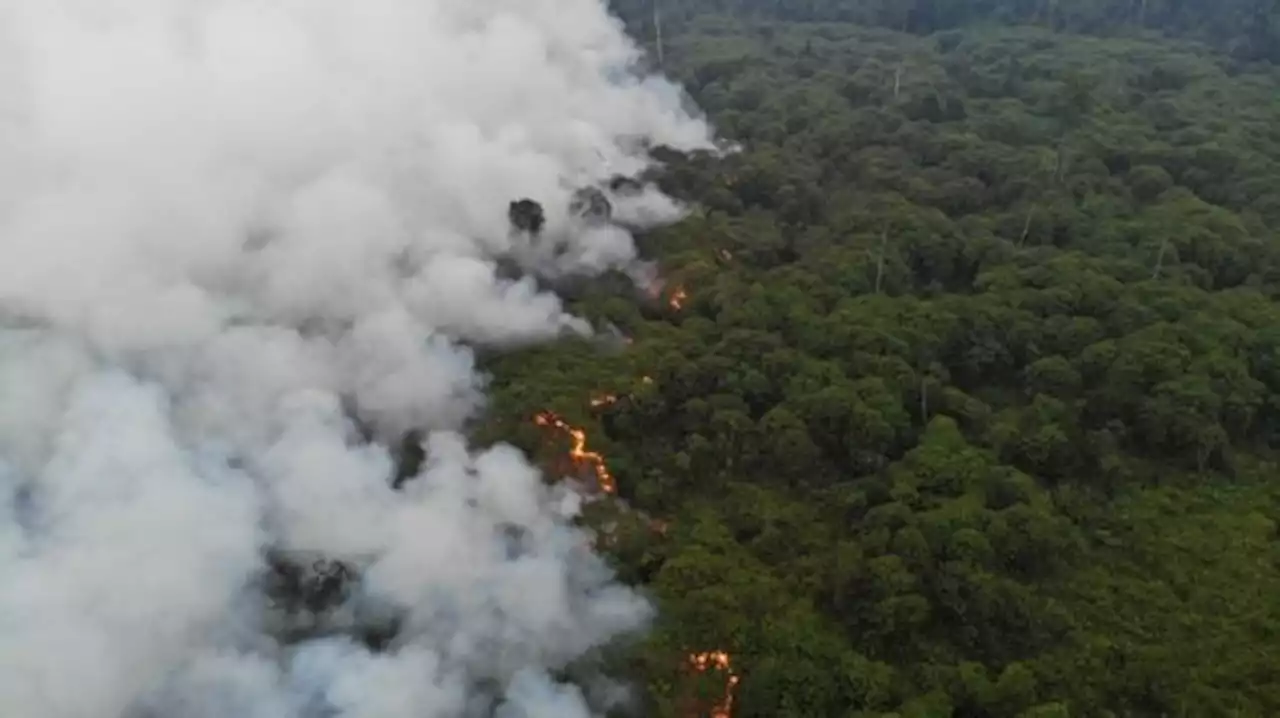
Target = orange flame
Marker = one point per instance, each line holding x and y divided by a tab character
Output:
719	661
579	452
604	400
678	298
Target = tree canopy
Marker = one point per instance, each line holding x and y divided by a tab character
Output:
959	396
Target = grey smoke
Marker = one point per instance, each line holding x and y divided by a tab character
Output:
225	225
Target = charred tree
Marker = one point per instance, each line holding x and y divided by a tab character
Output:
591	205
622	184
526	216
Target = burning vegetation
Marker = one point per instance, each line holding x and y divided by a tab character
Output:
677	299
603	400
702	663
578	452
718	661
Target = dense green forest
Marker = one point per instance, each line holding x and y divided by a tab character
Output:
964	402
1245	29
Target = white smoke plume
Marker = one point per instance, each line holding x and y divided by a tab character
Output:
227	227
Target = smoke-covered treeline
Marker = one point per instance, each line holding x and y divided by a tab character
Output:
245	247
1248	29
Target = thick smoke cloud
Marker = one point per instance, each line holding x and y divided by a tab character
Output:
237	238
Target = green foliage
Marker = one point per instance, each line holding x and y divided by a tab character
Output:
1247	29
968	412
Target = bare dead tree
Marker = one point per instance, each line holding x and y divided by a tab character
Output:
1164	247
884	240
657	30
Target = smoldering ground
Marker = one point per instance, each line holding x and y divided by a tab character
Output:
235	232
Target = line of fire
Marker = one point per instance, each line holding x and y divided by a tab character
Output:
585	463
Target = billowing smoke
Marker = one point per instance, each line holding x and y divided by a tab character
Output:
245	246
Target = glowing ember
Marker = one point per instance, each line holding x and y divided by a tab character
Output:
678	298
718	661
579	452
